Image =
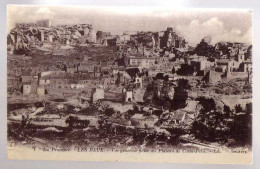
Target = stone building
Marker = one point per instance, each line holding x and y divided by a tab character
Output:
128	96
27	88
212	77
98	95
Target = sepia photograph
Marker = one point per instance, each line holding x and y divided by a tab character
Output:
129	84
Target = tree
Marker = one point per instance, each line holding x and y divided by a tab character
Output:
184	83
173	70
207	104
238	108
205	125
130	113
200	130
135	108
179	98
133	72
109	111
186	70
211	125
242	126
204	48
117	82
227	110
157	112
249	108
166	78
180	95
159	76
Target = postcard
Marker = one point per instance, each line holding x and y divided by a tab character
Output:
129	84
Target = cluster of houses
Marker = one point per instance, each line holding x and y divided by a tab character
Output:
94	80
143	58
92	75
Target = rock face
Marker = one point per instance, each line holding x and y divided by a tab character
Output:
171	38
86	31
24	38
168	38
102	36
156	38
92	36
145	39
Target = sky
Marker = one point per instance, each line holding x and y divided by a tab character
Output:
193	24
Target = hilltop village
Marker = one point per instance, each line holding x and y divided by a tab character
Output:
138	88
